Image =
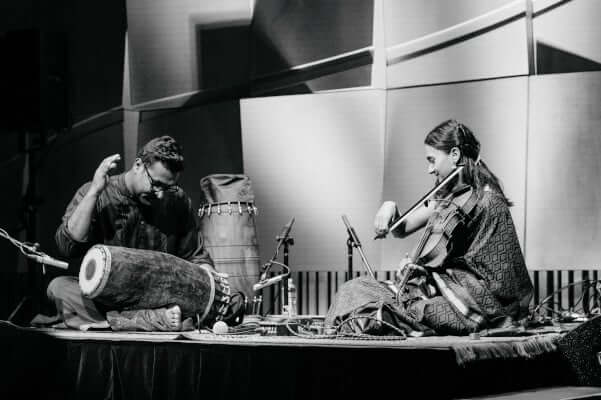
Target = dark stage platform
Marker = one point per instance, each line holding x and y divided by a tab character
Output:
58	364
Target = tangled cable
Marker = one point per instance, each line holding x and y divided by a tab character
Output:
586	284
339	334
27	249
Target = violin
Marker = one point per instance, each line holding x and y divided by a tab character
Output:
421	201
450	216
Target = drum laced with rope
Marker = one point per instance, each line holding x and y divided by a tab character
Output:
122	278
227	224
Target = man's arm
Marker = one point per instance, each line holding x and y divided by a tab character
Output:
78	223
72	234
66	243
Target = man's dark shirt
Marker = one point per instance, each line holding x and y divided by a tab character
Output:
119	219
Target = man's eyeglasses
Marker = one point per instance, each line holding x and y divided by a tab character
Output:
157	186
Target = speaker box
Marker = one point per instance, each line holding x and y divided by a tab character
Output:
581	348
33	80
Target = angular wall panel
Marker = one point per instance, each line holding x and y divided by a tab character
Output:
567	35
563	228
167	44
288	33
412	19
431	42
316	157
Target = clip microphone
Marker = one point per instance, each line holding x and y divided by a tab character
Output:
47	260
266	268
268	282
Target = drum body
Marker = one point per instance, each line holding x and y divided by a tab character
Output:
131	279
227	224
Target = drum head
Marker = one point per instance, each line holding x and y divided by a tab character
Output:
94	271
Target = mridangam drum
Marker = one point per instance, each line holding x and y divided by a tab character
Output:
131	279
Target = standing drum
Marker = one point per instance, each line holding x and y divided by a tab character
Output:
132	279
227	223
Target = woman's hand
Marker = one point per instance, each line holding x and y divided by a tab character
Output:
408	269
383	217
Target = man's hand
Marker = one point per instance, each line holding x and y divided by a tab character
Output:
383	217
101	176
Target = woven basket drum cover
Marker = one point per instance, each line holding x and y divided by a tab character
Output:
227	223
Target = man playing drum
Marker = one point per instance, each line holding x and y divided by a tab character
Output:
142	208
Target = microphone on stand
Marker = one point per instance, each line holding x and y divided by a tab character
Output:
282	237
285	233
30	250
268	282
47	260
351	231
354	239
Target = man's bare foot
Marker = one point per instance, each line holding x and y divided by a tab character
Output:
173	318
94	325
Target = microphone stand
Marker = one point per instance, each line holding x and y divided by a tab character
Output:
353	242
287	242
32	252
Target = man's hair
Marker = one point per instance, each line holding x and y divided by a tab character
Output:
164	149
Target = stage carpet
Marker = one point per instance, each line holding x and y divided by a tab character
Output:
59	364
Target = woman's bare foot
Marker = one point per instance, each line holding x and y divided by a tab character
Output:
173	318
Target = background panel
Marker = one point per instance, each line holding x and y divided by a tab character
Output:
496	113
13	267
564	170
96	51
567	36
316	157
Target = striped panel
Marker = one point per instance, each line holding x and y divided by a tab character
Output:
316	290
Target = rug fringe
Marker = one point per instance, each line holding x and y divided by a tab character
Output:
528	348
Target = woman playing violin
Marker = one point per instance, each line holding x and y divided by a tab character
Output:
480	280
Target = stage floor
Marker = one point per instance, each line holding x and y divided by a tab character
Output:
53	363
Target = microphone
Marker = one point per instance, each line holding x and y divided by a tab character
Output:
266	268
281	238
356	243
220	328
285	232
268	282
47	260
351	231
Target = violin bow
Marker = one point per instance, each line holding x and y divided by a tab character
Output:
427	196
